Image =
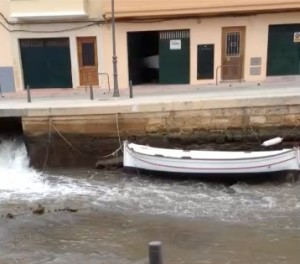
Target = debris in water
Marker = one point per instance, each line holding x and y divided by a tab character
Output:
67	209
39	210
10	216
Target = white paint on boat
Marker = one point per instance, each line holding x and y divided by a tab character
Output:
197	161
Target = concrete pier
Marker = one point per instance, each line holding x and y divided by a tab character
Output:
74	130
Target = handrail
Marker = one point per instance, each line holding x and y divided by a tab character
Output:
228	65
106	74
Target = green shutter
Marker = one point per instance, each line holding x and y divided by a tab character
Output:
174	57
46	63
283	52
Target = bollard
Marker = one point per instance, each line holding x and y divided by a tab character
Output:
130	89
155	254
28	94
91	92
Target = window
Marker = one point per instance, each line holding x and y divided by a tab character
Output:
88	54
233	40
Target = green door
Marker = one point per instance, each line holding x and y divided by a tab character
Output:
174	57
46	63
283	51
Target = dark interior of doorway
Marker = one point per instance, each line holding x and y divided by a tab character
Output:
141	46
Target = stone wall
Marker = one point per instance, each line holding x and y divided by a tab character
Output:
82	140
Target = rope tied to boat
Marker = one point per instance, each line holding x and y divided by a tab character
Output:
118	130
272	141
48	145
76	149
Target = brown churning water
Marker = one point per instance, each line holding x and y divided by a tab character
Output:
118	215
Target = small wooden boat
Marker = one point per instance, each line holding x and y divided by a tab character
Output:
209	162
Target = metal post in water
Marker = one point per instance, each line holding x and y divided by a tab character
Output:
130	89
155	252
91	92
28	94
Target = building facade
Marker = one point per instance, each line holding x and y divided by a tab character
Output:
68	43
56	44
7	82
201	42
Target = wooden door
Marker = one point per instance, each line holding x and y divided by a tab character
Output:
233	53
87	60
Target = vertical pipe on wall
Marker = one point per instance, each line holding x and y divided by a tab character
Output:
114	57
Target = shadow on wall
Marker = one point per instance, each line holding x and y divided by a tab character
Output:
11	126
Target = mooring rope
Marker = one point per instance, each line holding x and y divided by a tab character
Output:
255	134
118	130
66	141
283	136
290	132
48	145
51	125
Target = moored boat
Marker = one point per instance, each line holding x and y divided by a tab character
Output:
209	162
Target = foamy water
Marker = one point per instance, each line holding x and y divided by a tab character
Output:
118	215
117	192
238	203
19	181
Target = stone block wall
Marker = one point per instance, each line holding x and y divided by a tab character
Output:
98	135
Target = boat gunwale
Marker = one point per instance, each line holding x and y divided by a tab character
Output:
206	159
217	169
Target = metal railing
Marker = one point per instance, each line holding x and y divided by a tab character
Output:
88	82
230	65
107	76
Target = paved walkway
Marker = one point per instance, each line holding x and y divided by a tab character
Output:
272	92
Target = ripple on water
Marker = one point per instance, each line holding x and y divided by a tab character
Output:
116	191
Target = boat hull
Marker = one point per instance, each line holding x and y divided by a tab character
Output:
209	162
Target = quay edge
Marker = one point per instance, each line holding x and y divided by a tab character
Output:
80	136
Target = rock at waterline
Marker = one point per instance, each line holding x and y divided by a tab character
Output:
39	210
115	162
10	216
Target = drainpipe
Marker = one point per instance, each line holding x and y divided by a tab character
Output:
114	57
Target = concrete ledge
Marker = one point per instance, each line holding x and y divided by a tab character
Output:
142	105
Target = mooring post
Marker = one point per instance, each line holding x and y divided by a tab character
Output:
91	92
155	252
28	94
130	89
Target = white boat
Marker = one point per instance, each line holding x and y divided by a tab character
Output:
209	162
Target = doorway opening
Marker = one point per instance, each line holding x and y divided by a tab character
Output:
143	57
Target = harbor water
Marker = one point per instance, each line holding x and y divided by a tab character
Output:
110	217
